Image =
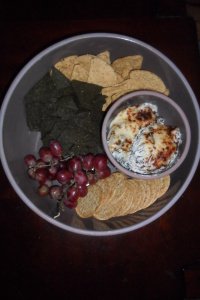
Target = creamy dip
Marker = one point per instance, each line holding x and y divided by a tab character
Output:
141	142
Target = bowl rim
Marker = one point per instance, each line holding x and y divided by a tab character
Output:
161	97
19	77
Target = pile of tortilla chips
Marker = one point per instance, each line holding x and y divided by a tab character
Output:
89	68
117	195
116	78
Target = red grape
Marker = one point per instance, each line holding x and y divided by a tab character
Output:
41	174
45	154
55	161
30	160
43	190
56	148
92	178
87	162
100	161
74	164
48	182
31	173
52	171
73	174
70	204
103	173
56	192
80	177
72	195
63	176
82	190
62	165
40	163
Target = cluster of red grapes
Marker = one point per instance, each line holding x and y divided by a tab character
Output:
63	177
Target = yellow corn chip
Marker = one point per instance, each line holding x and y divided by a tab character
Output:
124	65
101	73
105	55
66	65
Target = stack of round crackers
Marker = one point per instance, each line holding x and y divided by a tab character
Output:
117	195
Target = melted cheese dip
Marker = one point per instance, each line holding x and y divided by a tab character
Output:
141	142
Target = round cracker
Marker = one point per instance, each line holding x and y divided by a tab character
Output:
109	208
151	190
108	185
111	190
141	195
164	186
87	205
158	186
130	197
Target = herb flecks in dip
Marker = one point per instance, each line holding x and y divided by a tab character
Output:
141	141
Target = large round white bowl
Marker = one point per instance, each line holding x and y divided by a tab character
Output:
16	140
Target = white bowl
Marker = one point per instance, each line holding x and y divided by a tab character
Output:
16	140
170	111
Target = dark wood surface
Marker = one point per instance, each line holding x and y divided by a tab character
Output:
38	260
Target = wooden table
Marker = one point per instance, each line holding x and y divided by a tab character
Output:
39	260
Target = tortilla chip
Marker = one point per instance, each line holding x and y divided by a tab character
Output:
105	56
139	80
79	73
85	61
107	103
82	67
124	65
66	65
148	81
101	73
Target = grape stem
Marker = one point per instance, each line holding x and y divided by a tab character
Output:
59	208
50	164
66	158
